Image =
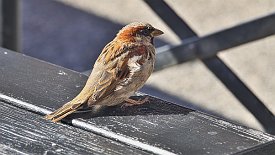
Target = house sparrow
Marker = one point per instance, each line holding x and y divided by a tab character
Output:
121	69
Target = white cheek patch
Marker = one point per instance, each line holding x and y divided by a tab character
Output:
133	65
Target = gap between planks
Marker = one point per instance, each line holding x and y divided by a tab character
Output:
88	127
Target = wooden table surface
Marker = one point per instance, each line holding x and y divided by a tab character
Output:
30	88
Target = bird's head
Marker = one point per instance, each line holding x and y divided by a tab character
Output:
138	32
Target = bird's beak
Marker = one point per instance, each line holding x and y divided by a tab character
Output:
156	32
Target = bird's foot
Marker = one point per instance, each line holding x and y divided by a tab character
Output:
131	102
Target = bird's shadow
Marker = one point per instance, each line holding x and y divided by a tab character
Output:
154	106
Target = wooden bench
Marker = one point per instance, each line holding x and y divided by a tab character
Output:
31	88
192	47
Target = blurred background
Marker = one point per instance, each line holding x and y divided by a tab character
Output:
72	33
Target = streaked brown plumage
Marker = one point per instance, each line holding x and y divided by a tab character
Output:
121	69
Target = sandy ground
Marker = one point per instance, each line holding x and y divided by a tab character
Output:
72	33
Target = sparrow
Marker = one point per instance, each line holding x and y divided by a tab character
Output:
121	69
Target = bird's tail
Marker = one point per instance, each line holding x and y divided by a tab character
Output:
73	105
64	111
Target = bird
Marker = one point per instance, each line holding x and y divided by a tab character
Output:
121	69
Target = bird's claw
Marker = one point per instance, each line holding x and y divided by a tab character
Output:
131	102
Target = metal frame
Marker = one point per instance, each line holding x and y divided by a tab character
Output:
207	47
210	45
10	24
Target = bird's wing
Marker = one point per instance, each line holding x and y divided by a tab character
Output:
101	83
113	67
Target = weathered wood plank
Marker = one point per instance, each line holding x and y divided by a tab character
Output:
158	126
23	132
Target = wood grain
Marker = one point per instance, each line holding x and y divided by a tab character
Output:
23	132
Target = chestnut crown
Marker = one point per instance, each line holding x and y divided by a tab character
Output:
138	31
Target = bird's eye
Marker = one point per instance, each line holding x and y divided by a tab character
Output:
145	32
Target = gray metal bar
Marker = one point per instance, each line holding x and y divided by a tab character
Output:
10	23
180	27
210	45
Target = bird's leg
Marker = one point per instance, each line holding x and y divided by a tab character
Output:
131	102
